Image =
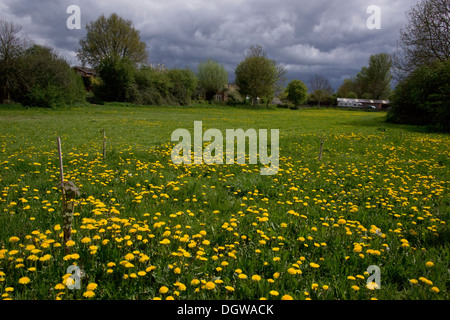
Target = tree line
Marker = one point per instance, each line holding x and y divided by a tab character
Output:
36	75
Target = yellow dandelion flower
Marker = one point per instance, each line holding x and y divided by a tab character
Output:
180	286
165	241
294	271
91	286
195	282
256	277
210	285
45	258
30	247
163	290
24	280
60	286
89	294
86	240
129	257
287	297
151	268
13	252
14	239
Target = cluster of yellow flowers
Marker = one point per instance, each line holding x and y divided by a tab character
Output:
151	229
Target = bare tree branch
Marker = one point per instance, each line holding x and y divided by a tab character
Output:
425	38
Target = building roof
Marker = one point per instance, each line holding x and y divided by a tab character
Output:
86	70
363	100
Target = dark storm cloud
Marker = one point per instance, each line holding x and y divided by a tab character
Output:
308	37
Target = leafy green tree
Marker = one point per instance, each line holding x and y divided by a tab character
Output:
184	84
212	77
153	86
112	37
423	98
117	78
48	80
351	95
297	92
347	88
257	75
374	81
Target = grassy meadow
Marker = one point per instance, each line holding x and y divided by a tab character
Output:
145	228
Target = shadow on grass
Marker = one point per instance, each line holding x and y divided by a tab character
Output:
382	124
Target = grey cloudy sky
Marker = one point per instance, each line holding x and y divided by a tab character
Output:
308	37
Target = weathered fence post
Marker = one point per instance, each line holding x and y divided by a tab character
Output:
69	191
321	149
104	144
67	228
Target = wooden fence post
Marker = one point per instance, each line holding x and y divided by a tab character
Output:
321	149
67	208
104	144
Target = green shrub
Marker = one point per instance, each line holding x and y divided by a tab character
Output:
153	86
423	98
48	80
117	78
184	85
297	92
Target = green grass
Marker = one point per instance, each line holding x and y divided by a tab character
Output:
223	219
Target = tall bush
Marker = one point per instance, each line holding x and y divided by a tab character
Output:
117	78
184	84
423	98
48	80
